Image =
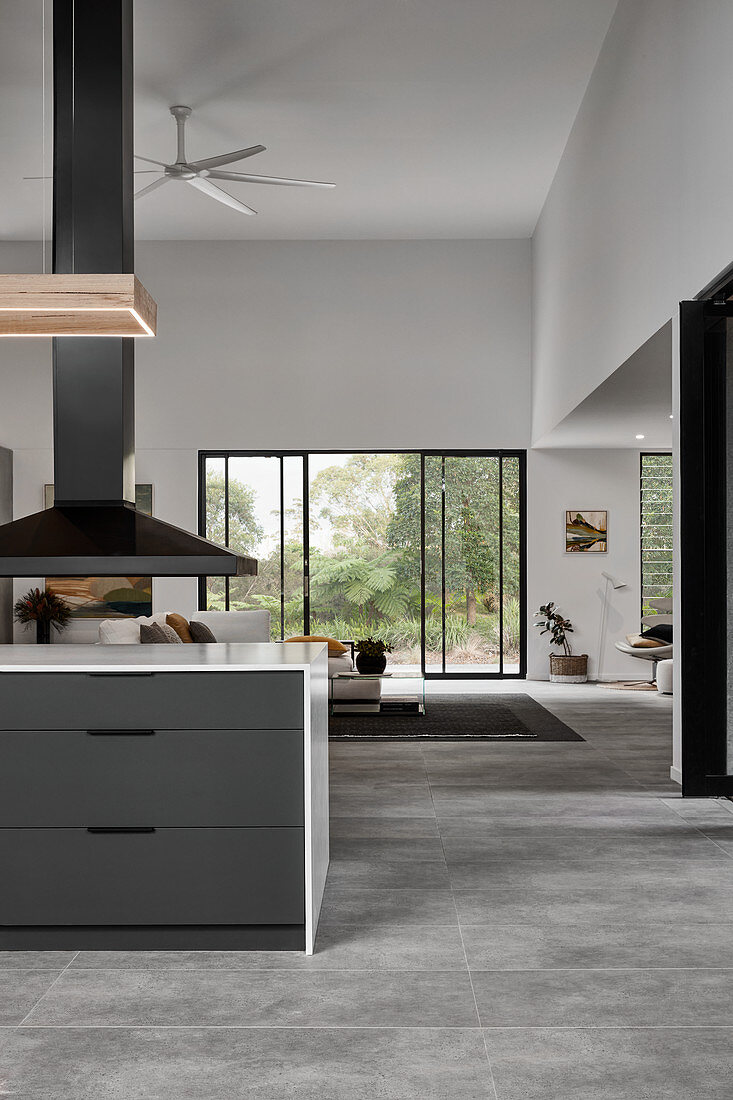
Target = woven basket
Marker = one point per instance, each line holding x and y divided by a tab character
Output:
568	670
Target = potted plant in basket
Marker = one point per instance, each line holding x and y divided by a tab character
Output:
565	668
371	656
45	609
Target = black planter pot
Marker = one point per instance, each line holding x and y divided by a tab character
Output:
43	631
370	666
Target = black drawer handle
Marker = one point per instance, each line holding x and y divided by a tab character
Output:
120	674
141	829
121	733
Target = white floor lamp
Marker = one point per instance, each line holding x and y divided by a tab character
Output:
616	583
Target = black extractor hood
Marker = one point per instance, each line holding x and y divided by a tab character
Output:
94	528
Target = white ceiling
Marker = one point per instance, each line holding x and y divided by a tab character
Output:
435	118
635	400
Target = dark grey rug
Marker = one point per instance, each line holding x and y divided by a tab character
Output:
458	718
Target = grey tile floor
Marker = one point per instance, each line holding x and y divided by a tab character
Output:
505	921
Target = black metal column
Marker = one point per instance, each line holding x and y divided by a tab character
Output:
704	346
93	233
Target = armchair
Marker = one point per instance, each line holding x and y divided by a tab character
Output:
657	653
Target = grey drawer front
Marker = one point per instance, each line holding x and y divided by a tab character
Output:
171	876
165	778
159	700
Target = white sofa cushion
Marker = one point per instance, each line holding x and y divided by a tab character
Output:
236	626
127	631
342	663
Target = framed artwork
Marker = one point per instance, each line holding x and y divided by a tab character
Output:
106	597
586	532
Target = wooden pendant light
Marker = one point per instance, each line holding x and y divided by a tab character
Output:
76	305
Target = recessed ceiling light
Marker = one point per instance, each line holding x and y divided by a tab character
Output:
671	416
640	437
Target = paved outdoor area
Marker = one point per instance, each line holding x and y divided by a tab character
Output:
542	921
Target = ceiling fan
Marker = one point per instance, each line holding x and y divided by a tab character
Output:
200	173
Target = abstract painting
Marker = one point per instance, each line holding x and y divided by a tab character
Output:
586	532
106	597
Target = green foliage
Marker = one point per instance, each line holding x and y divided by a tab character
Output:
471	524
367	589
372	647
552	622
512	627
357	501
245	533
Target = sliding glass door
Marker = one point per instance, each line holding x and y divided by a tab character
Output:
253	504
424	550
473	564
364	535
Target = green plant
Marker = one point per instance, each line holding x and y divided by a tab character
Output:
490	602
372	647
354	585
42	606
512	626
552	622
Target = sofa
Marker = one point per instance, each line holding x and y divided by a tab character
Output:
226	626
243	626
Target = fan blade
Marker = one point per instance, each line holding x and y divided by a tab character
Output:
152	187
241	178
219	195
226	158
149	160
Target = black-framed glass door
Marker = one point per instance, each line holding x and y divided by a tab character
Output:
474	564
423	549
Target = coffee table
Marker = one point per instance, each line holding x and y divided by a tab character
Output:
408	696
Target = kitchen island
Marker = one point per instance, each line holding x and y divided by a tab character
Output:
163	797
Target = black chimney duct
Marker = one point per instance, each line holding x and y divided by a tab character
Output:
93	527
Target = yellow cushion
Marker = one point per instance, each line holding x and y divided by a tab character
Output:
334	646
637	642
180	625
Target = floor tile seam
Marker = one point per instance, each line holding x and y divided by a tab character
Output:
608	1027
611	760
492	1082
698	829
598	969
726	853
565	860
367	1027
381	971
609	835
46	991
591	743
246	1027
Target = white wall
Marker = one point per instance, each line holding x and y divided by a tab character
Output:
336	344
576	479
308	344
638	216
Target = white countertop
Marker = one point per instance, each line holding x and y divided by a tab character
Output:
215	657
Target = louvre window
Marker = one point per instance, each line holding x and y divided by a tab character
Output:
656	528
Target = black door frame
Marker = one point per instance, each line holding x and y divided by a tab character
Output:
519	455
703	529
